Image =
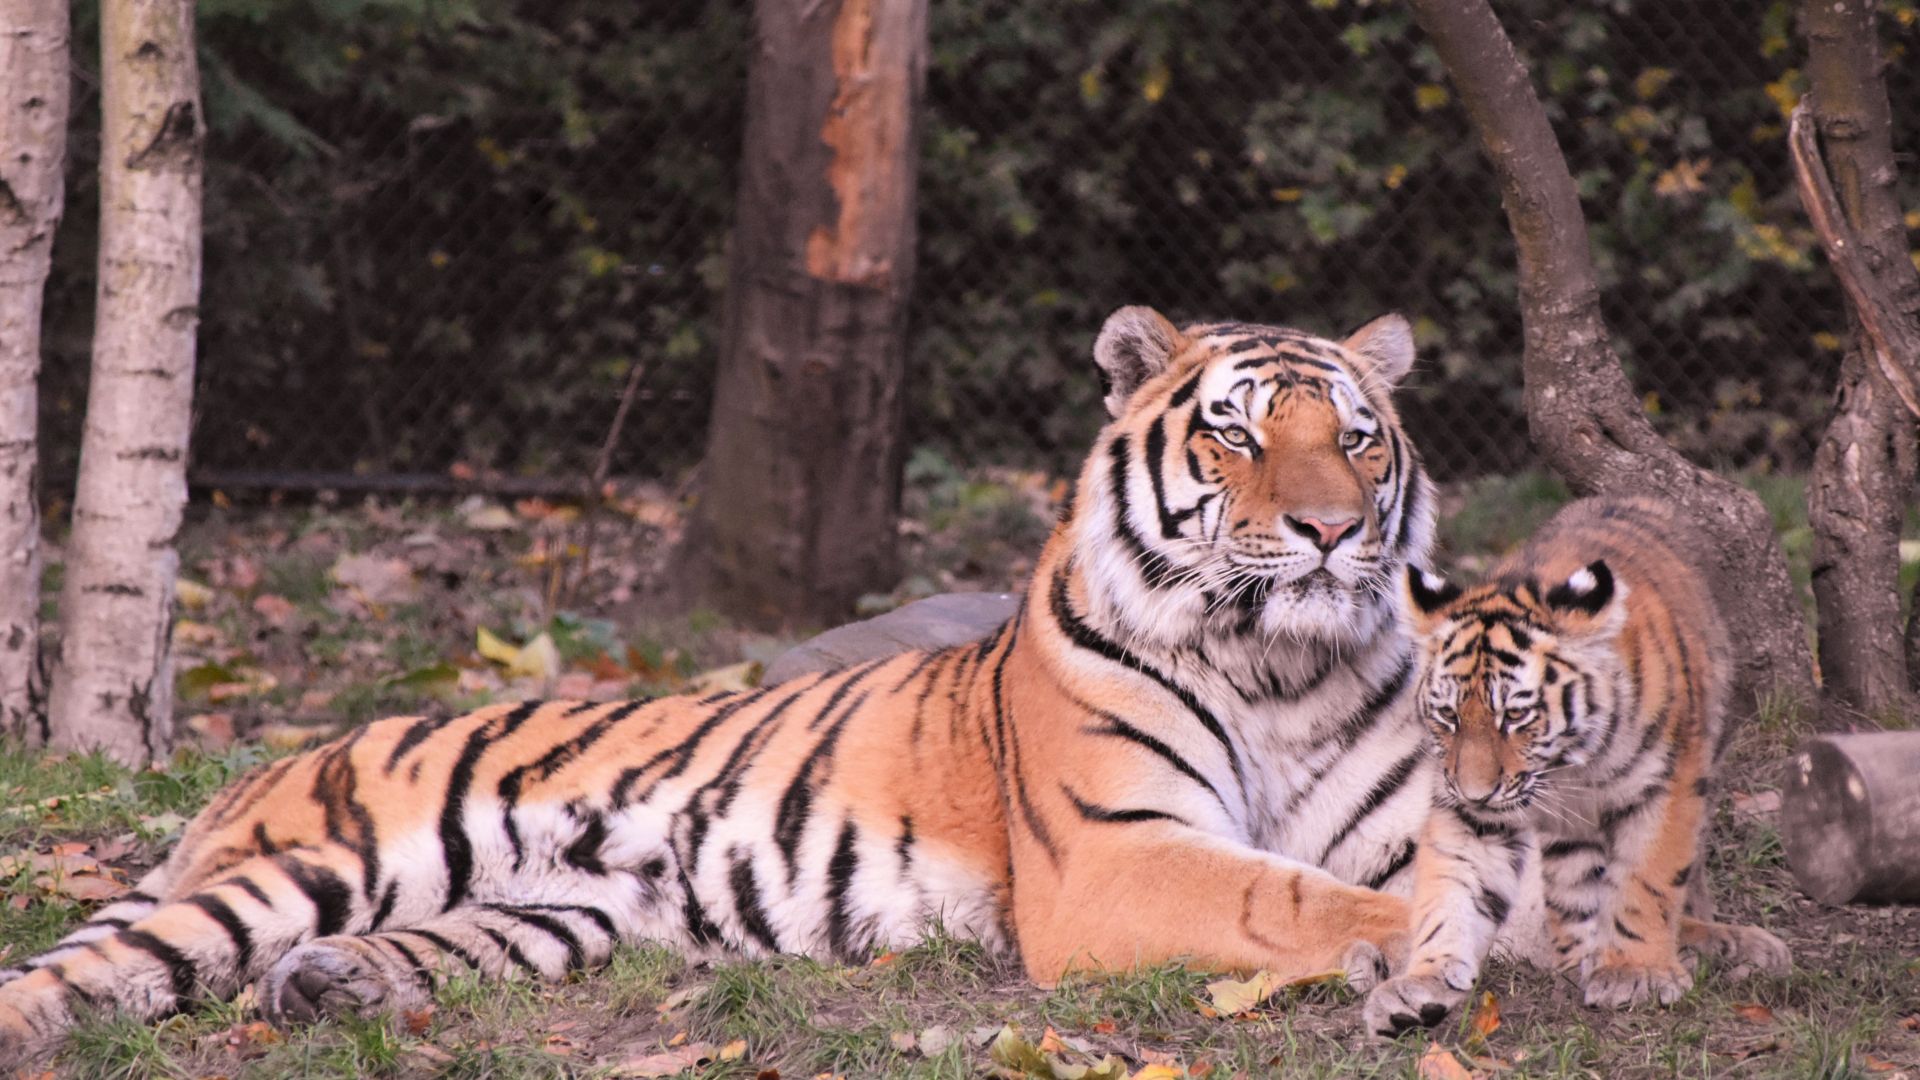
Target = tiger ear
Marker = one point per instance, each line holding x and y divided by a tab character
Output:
1591	593
1427	595
1386	344
1136	344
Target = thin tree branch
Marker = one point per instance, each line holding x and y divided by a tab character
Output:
1893	343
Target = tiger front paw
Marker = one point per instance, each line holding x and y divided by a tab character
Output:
333	978
1365	966
1624	985
1741	950
1406	1002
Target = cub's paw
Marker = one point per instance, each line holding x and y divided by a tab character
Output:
333	977
1741	950
1365	966
1626	985
1406	1002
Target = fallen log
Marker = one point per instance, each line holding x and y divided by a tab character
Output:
1850	817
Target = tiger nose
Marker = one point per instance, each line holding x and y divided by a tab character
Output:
1325	535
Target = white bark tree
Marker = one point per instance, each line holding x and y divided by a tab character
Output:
33	134
114	686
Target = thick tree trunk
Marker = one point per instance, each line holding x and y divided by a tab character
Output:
33	148
114	687
801	485
1850	817
1580	407
1863	471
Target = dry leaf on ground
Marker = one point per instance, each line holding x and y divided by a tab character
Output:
1438	1064
671	1062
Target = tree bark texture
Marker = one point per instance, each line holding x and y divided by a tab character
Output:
801	484
1581	409
34	83
114	685
1863	470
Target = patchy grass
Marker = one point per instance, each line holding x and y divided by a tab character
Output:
337	656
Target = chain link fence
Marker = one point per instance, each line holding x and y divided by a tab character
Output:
441	237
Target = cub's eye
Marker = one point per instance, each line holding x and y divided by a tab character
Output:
1446	717
1517	718
1355	439
1234	436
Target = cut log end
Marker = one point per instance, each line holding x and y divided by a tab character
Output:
1850	817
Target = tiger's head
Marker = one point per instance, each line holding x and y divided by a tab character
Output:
1253	479
1517	677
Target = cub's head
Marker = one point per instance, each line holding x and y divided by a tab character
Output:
1517	677
1254	472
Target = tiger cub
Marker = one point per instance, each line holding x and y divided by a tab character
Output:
1575	699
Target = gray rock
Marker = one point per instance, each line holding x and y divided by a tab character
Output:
933	623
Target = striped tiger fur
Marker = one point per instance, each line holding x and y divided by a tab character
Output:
1576	700
1203	705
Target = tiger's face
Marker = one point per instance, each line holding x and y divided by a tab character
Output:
1516	679
1257	475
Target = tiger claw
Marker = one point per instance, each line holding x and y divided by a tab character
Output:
1406	1002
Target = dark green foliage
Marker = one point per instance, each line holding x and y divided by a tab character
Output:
442	232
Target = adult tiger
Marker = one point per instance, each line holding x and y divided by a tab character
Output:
1202	704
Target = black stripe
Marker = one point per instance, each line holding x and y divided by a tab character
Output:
1085	637
1096	812
242	938
552	927
180	969
1560	849
1120	729
331	899
584	853
415	967
1185	393
1385	788
1398	863
599	918
446	945
386	906
455	844
519	959
1621	929
248	886
840	871
746	905
1154	568
796	804
702	928
682	752
415	734
1493	905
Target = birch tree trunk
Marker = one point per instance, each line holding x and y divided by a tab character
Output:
1863	471
1581	409
802	475
33	148
114	686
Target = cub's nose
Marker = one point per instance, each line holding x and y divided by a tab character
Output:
1325	535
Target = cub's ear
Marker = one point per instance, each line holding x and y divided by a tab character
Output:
1136	344
1386	344
1587	591
1427	594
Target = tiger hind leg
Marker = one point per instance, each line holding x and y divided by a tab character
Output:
1741	950
204	945
370	974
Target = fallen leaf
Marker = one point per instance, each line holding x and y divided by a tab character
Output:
290	736
1160	1072
681	997
277	610
1754	1013
671	1062
734	1050
1486	1018
1015	1055
558	1045
190	634
489	517
377	580
1105	1027
1911	1023
903	1041
935	1040
191	594
1438	1064
1758	804
1878	1064
564	1025
213	730
417	1021
1050	1042
89	887
433	1054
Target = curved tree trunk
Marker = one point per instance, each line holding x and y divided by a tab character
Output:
34	83
801	483
114	687
1863	471
1580	407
